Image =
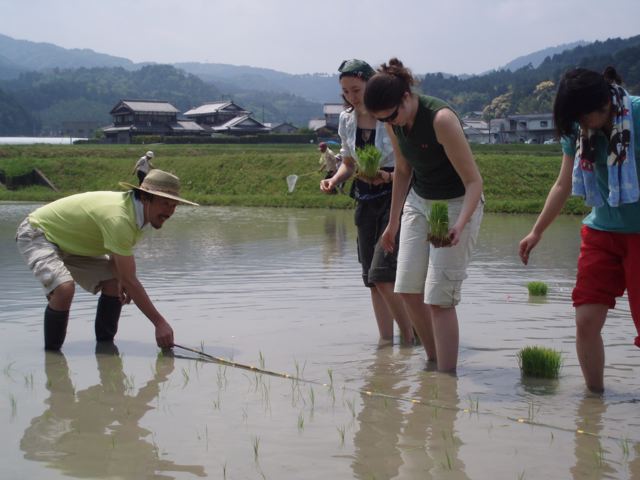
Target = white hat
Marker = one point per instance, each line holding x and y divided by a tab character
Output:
149	154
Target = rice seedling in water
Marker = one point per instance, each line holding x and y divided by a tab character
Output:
539	362
439	225
537	289
300	422
352	407
341	432
368	161
261	360
256	448
14	406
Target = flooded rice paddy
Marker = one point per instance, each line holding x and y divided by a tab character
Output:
280	290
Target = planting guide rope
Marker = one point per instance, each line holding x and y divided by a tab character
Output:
205	357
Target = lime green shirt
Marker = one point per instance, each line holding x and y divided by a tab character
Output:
90	224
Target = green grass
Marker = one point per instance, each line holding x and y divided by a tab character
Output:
255	175
537	289
539	362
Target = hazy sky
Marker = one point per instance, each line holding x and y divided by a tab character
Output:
301	36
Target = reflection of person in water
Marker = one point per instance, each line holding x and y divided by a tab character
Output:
335	239
380	421
589	419
95	432
394	443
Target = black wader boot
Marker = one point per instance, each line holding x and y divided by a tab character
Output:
55	328
107	316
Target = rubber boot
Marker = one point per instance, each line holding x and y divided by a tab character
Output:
55	328
107	316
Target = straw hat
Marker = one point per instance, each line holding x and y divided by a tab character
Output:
161	184
149	154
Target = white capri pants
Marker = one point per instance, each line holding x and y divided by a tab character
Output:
436	272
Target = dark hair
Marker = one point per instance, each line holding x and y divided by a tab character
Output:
581	91
387	87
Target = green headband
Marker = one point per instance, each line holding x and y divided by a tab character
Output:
356	68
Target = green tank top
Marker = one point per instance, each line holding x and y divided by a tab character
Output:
434	177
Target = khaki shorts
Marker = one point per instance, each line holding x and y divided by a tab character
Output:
53	267
436	272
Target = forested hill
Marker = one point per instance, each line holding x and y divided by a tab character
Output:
531	90
43	100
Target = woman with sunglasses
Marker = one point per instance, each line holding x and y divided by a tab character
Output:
357	129
434	159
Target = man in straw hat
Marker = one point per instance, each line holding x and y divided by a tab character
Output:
88	239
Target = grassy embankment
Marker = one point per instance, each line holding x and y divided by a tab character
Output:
517	177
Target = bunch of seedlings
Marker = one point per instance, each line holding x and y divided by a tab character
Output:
539	362
439	225
537	289
368	162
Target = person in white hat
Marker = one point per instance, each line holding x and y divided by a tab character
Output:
88	239
143	166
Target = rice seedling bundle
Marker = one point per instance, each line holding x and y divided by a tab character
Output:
439	224
537	289
539	362
368	161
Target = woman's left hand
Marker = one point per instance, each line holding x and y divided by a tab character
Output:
454	234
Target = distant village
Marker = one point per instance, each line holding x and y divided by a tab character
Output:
133	118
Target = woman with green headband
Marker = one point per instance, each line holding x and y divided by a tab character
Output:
358	129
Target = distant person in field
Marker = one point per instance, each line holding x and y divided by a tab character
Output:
358	128
88	239
599	126
143	166
433	163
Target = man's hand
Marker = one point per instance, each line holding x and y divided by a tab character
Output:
164	335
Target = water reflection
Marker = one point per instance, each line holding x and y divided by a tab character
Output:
335	239
380	420
95	432
420	441
591	453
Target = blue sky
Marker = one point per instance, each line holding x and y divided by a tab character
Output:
299	36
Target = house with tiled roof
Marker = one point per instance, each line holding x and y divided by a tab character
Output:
147	117
225	117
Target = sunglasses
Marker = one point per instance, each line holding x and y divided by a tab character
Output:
391	117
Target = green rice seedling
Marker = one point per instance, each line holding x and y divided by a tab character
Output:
14	406
256	448
341	432
624	444
537	289
439	224
300	422
368	161
351	404
261	360
224	470
539	362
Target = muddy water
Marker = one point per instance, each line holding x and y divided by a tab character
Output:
281	288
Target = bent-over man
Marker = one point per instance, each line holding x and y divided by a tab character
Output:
88	239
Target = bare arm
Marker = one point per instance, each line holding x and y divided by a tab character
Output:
556	199
125	270
451	136
345	171
401	180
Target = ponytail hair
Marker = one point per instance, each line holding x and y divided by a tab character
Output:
580	92
387	87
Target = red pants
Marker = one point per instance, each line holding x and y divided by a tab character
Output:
608	264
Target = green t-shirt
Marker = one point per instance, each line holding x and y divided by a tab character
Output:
434	177
90	224
626	217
